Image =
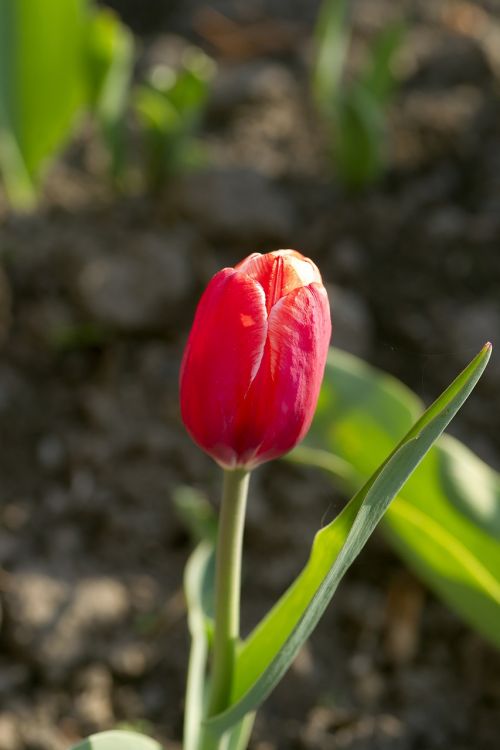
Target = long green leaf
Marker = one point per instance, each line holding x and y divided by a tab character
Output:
446	520
110	61
332	37
199	590
270	649
41	86
118	740
198	586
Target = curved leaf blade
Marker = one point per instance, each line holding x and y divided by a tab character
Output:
332	37
445	522
110	61
118	740
198	587
270	649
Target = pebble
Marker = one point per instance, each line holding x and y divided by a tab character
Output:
142	287
254	81
59	623
237	205
50	453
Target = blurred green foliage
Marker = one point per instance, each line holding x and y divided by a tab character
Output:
169	106
118	740
354	111
109	67
64	59
41	87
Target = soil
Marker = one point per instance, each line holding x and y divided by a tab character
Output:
97	292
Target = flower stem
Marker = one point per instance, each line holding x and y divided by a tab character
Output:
227	586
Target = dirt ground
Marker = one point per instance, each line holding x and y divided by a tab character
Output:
97	292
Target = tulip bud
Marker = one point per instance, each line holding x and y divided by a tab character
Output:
255	358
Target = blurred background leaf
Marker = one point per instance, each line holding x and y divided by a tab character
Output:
118	740
354	109
110	63
169	106
41	87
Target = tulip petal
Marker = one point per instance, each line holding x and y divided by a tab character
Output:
282	399
222	356
279	273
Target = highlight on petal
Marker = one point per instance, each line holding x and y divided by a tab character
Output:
222	357
279	273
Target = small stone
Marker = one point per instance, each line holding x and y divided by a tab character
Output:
94	702
83	486
437	59
58	624
13	677
237	205
141	288
446	223
129	660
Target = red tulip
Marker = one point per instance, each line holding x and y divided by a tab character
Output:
255	357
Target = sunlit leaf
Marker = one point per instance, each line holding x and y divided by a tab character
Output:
270	649
446	520
332	36
41	87
118	740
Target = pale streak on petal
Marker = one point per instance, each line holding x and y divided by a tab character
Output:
248	263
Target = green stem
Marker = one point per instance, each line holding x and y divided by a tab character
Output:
227	586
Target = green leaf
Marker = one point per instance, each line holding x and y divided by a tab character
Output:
199	592
199	582
358	137
239	735
332	37
378	78
197	514
110	58
118	740
470	485
446	520
41	87
270	649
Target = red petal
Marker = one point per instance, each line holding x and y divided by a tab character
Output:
222	356
282	399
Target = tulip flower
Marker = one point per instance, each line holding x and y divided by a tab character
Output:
255	358
249	383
